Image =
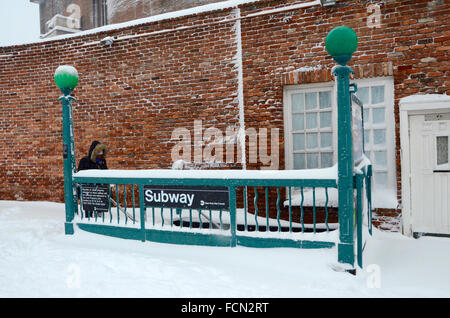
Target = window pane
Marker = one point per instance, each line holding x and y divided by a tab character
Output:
326	159
363	94
366	115
366	137
325	120
324	100
299	141
377	94
325	140
379	137
313	160
380	159
298	103
311	101
311	141
378	115
299	161
298	122
381	178
442	149
311	121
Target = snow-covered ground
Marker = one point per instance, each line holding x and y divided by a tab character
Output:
38	260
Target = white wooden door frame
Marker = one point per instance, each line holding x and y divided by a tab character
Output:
409	106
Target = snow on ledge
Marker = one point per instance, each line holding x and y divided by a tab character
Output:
426	98
226	4
323	174
384	199
424	102
164	16
363	164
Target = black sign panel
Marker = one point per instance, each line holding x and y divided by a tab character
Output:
187	197
95	197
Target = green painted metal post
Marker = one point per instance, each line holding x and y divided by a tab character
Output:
67	155
345	167
232	191
341	43
142	212
72	155
66	78
359	218
369	197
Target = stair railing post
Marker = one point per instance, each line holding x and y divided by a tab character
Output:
341	43
66	78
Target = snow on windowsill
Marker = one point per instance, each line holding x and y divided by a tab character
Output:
384	199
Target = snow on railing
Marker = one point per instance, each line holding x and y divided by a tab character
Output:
255	212
307	174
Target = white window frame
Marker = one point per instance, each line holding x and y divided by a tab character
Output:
389	124
287	111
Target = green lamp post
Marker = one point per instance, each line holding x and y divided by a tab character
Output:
66	78
341	43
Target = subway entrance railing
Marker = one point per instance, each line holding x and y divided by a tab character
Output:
279	208
317	208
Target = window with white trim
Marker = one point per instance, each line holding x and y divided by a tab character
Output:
310	123
442	154
379	134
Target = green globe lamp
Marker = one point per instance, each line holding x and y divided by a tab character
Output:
66	78
341	43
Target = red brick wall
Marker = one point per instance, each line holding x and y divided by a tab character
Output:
133	94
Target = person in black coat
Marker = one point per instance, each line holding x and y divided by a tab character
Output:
96	159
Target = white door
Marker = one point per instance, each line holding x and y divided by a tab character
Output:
430	173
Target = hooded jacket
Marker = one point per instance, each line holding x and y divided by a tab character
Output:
91	161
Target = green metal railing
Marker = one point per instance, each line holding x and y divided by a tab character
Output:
340	43
256	216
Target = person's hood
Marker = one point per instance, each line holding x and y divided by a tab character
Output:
95	149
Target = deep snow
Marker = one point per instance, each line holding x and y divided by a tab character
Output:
38	260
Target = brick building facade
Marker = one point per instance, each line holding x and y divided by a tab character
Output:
249	65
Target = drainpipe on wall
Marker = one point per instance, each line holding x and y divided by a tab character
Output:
240	92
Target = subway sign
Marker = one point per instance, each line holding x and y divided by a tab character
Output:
187	197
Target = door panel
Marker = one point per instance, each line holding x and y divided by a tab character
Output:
430	179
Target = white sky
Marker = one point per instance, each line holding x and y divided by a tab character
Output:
19	22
